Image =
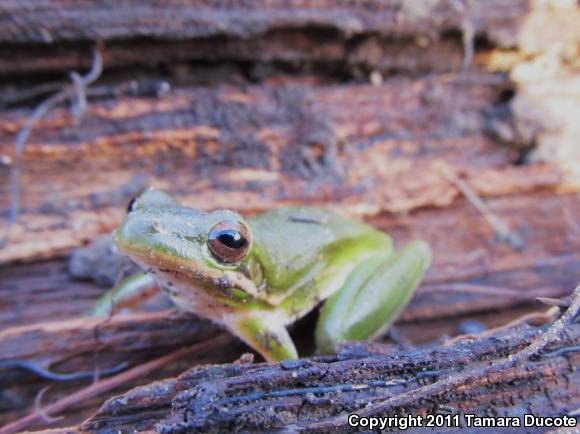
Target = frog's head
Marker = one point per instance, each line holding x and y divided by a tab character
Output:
176	243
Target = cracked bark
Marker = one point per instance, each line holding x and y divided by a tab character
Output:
300	124
387	36
269	397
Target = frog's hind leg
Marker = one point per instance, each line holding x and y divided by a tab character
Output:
372	296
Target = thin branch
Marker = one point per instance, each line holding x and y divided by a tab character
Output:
542	316
110	383
22	136
79	102
38	408
502	230
468	288
21	95
56	376
110	315
468	39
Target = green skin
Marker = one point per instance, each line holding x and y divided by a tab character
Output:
298	257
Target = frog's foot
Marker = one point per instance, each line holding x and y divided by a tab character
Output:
128	292
266	334
372	296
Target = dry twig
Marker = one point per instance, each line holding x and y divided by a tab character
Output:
110	383
542	316
76	90
468	288
501	229
56	376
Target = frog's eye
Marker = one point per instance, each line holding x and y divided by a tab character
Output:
131	204
229	241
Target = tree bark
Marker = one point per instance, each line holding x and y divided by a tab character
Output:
355	106
264	146
388	36
270	397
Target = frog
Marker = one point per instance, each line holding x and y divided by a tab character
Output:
257	276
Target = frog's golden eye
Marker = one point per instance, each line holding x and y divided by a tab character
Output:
229	241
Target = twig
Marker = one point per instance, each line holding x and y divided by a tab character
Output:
468	288
560	302
110	314
545	316
110	383
468	37
19	96
38	407
145	88
56	376
536	346
562	351
79	105
502	231
22	136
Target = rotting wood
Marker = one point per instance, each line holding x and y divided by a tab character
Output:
122	337
197	18
274	157
465	254
266	397
381	35
555	334
72	345
100	342
22	386
264	147
466	258
84	344
100	386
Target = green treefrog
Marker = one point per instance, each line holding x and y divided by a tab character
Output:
258	275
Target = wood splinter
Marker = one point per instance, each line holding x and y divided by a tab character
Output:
502	230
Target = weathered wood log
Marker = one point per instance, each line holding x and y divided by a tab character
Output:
363	149
467	258
373	35
86	344
58	343
75	342
72	345
24	21
270	397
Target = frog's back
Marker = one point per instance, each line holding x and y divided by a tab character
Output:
291	240
321	225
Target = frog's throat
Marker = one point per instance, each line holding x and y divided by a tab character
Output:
224	279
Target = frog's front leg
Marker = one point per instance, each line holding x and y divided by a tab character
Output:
372	296
129	291
266	333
